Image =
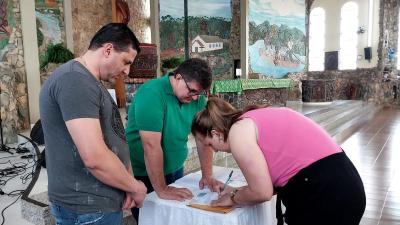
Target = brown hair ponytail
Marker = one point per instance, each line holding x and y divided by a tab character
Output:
218	115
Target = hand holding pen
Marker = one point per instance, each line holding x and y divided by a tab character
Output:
227	181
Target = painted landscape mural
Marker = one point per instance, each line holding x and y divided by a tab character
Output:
276	37
172	42
209	23
49	23
7	24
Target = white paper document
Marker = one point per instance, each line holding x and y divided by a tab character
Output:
204	197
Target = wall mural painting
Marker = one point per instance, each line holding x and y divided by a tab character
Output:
276	37
209	33
7	24
209	23
172	42
49	23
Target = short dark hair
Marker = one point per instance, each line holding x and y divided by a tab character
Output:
197	70
118	34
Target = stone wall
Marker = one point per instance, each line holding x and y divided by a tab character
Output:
360	84
295	90
262	96
13	84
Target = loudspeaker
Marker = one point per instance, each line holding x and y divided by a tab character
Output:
331	60
236	68
368	53
37	133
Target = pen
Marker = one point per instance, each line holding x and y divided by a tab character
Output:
226	182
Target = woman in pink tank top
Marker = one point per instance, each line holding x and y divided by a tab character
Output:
281	151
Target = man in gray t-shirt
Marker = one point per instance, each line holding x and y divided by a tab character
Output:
90	179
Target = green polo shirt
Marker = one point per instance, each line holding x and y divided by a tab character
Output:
156	108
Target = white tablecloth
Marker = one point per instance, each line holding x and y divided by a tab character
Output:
157	211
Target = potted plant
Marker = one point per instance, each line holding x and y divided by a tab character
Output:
55	54
170	64
50	60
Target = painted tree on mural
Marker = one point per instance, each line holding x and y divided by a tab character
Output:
6	26
3	17
279	38
171	29
171	37
216	26
208	37
5	29
276	37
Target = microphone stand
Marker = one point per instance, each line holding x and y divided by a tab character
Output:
3	147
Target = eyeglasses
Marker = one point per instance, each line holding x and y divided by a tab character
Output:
193	92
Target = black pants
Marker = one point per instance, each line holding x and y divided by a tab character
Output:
328	192
169	179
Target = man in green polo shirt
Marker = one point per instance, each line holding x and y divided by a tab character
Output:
159	122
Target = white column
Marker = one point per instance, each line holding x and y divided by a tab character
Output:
31	56
68	25
244	37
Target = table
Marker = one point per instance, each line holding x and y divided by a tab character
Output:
157	211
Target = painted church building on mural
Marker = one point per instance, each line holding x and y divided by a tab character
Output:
206	43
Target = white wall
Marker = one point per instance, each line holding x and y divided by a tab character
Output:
332	43
68	25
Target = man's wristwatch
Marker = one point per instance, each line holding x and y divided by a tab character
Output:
233	194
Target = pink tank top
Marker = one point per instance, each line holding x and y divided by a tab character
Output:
289	141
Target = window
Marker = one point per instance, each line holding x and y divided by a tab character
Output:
348	36
317	40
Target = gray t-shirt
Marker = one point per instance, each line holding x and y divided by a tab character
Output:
71	92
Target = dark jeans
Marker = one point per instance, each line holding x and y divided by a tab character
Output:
65	216
169	179
329	192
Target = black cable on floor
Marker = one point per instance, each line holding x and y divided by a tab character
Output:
35	176
18	169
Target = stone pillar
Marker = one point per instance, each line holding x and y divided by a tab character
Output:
14	97
388	26
9	113
244	38
140	19
234	46
307	21
88	17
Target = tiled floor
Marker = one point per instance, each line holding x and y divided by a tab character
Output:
374	149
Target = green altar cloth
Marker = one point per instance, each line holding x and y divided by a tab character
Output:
240	85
